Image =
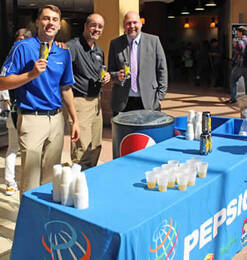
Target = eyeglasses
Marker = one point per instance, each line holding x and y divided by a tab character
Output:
95	25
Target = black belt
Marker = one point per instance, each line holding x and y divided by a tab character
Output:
40	112
79	94
134	98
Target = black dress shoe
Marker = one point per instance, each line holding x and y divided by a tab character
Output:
230	101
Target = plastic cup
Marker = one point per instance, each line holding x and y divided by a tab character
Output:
191	177
81	200
182	181
190	132
156	170
191	116
162	183
173	162
202	169
176	176
172	179
151	179
166	166
66	196
194	161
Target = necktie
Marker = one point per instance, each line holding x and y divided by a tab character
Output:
133	66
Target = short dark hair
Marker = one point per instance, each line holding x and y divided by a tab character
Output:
52	7
89	17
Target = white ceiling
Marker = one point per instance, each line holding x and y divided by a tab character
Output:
85	6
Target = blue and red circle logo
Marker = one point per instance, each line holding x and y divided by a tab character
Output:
164	241
135	142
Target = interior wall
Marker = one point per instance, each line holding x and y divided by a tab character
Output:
239	11
155	19
172	32
199	30
113	13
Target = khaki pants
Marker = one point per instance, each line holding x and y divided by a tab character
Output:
41	143
86	150
13	147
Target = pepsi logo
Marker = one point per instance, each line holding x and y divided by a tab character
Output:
134	142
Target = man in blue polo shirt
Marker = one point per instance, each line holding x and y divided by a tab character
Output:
40	85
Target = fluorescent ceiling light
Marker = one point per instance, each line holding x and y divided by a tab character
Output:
211	3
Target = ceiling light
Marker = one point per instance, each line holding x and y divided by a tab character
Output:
199	6
143	21
213	23
186	24
211	3
185	11
170	14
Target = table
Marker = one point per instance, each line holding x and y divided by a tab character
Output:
127	221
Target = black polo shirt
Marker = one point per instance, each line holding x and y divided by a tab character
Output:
86	67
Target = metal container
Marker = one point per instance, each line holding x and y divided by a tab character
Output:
204	144
206	122
210	142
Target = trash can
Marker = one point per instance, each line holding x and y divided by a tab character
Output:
138	129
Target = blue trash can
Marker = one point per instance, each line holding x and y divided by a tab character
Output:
138	129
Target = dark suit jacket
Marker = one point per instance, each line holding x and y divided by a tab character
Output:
152	71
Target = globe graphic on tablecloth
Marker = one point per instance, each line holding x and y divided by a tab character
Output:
61	241
164	241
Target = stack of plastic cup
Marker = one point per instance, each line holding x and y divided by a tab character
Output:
66	187
198	125
190	125
80	196
190	131
57	174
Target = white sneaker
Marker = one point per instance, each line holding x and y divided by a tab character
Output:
11	188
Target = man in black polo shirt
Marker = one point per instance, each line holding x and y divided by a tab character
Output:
87	59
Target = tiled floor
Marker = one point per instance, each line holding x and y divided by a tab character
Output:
179	100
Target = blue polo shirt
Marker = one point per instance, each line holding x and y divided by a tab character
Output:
43	92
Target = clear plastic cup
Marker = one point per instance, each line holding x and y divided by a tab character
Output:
164	171
191	116
202	169
191	177
156	170
172	179
176	175
173	162
182	181
151	179
197	158
162	182
194	161
182	166
165	166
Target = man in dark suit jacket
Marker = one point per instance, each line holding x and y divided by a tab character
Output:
150	76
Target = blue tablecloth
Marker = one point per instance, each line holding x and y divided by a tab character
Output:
127	221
